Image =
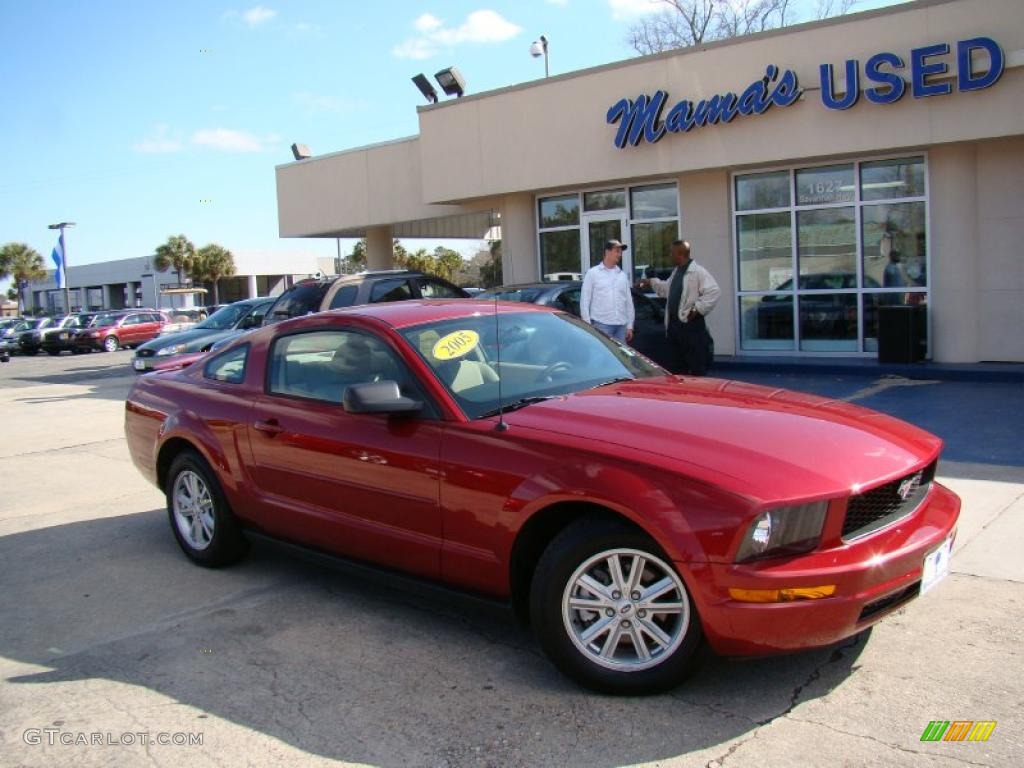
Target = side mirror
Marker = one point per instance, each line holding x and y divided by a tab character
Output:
378	397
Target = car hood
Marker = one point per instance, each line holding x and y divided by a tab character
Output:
194	338
763	443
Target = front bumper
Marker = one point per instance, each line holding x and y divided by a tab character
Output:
873	577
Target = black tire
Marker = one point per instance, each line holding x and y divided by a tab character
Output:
53	352
226	544
111	344
577	544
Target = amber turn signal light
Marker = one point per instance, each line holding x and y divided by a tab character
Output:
781	595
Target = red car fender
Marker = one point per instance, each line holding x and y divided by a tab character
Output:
186	427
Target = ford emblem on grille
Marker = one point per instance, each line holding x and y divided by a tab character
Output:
908	486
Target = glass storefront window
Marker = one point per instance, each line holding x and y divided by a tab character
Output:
560	252
605	200
658	201
561	211
895	247
825	185
766	250
827	246
757	191
766	322
828	322
652	244
889	179
859	242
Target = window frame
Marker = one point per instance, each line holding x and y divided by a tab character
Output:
247	347
862	292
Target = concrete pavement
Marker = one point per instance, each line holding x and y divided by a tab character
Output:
105	628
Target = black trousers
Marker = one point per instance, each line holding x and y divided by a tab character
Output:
690	346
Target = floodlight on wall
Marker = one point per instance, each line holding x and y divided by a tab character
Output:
425	88
301	152
451	81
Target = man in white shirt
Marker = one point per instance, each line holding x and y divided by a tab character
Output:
691	294
607	301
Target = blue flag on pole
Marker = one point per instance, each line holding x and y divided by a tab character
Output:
58	259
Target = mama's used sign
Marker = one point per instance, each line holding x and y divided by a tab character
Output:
645	118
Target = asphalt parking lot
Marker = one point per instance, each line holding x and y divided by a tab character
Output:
106	629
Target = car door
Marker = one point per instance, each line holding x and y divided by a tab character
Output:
128	329
363	485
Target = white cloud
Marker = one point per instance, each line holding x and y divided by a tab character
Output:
305	28
484	26
227	140
427	23
159	141
630	9
561	3
258	15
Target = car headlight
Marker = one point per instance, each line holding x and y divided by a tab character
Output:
174	349
784	531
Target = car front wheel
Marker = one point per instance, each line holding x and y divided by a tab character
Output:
612	612
202	521
111	344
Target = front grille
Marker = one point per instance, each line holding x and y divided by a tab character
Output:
874	509
145	352
889	602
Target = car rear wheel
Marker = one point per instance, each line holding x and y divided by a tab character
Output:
111	344
202	521
611	612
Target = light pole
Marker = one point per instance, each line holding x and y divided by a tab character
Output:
64	262
539	47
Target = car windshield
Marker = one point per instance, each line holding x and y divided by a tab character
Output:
225	317
542	354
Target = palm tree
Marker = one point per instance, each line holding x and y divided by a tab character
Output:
211	263
177	252
21	262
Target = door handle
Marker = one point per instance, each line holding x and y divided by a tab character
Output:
270	427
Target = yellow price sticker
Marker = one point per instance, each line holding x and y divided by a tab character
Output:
455	345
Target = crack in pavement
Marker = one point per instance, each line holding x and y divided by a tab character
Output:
58	449
888	744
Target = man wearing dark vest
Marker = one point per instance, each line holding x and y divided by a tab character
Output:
692	293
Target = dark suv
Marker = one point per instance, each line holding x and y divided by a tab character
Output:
320	294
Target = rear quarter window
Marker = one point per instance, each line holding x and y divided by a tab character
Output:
228	367
345	296
297	301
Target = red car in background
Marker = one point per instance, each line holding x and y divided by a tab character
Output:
110	331
629	515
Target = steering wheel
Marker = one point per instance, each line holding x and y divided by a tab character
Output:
548	373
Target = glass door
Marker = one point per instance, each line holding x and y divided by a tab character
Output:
600	229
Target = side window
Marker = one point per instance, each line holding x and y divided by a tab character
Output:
131	320
390	290
435	289
345	296
321	365
229	366
570	301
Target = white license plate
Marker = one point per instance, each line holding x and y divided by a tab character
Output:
936	565
140	365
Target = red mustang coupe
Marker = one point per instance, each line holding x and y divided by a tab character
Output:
511	450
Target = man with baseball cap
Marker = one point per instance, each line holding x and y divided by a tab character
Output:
607	302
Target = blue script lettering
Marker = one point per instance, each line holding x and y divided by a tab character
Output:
640	119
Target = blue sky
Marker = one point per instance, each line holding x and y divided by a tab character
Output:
127	117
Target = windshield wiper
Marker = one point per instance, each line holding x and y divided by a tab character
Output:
616	380
522	402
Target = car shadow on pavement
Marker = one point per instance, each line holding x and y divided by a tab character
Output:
103	383
343	665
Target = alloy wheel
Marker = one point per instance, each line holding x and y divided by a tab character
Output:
626	610
193	509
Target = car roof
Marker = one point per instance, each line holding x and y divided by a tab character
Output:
543	284
404	314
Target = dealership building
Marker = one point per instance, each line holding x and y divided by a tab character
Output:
824	173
